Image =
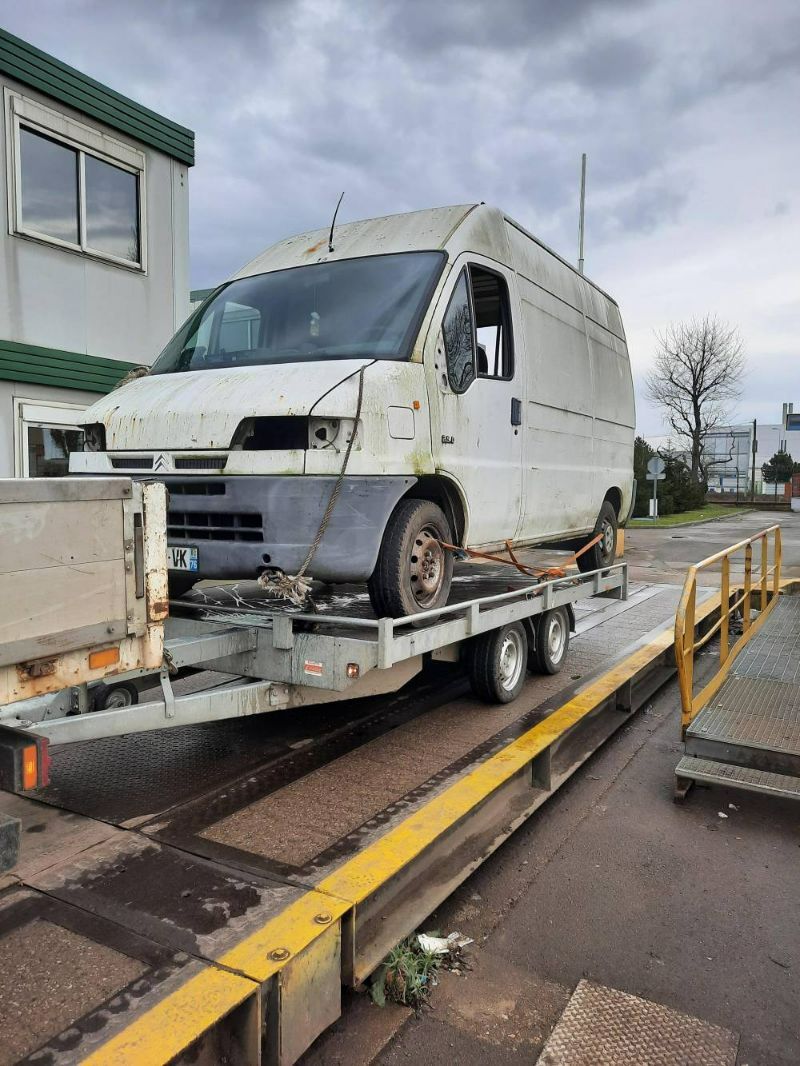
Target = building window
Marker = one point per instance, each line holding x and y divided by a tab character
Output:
46	434
83	194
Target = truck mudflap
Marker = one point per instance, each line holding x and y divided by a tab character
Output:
83	582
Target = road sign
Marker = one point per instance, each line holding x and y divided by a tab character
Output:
656	477
656	465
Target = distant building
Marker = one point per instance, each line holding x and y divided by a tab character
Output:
94	255
728	452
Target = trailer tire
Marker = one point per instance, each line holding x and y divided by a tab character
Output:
605	551
498	663
122	694
406	581
552	641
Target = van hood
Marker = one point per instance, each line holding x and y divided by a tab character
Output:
203	408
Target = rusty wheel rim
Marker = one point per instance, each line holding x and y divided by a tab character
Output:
427	566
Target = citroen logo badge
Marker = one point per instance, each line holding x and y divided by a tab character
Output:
161	462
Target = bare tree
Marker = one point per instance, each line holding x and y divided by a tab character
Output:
696	376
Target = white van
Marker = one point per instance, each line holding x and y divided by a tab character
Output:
496	404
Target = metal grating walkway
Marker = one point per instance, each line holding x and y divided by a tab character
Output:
606	1027
749	734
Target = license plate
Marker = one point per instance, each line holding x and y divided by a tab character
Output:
181	558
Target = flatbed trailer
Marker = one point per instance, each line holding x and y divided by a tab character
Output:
279	658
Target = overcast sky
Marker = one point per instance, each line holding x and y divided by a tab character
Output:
689	111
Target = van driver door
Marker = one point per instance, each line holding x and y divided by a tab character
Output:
477	399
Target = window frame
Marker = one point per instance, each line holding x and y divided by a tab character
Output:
32	413
506	323
22	112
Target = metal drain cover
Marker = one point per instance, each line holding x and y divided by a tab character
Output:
605	1027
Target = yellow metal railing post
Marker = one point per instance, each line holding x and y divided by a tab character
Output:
687	652
764	569
778	552
725	608
748	583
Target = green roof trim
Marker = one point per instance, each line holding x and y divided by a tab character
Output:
199	294
33	67
63	370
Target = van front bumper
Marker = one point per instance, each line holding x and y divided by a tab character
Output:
243	525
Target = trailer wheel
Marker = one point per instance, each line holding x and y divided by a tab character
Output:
123	694
497	663
552	641
413	571
605	551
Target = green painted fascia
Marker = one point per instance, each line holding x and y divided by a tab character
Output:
196	295
29	65
64	370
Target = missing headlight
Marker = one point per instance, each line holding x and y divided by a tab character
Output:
94	437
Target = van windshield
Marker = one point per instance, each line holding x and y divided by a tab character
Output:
371	306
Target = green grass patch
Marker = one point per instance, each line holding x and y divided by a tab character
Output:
406	975
711	510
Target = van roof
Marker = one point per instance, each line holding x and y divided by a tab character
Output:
481	229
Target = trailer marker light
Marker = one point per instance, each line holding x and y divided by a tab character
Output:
106	657
416	405
353	670
29	767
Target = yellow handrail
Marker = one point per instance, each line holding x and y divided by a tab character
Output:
733	598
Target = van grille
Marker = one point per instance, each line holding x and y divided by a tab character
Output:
196	488
197	525
204	462
132	462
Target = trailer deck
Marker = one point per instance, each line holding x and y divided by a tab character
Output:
201	879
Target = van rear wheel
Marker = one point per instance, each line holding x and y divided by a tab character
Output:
413	572
605	551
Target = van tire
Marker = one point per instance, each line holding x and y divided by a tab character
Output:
179	583
497	663
396	586
605	552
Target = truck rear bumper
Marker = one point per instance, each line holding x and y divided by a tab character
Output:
242	525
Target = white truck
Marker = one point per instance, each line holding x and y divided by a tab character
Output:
459	381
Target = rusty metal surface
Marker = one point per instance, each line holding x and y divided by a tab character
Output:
605	1027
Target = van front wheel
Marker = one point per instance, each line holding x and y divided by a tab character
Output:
605	551
413	571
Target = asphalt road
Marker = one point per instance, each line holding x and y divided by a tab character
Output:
664	554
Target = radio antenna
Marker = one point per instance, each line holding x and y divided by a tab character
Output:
333	223
581	213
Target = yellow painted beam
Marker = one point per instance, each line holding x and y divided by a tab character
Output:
166	1029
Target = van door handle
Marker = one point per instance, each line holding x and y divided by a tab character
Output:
516	412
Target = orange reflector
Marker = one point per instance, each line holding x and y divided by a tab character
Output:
106	657
416	405
29	767
353	670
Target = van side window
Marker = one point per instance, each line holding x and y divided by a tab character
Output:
493	324
459	337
